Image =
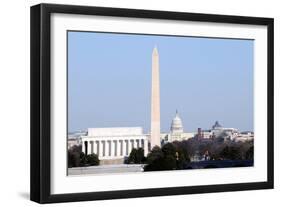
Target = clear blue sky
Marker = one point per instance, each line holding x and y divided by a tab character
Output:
205	79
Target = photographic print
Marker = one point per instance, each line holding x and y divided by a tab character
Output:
130	103
139	103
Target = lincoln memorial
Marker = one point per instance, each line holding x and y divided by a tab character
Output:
114	143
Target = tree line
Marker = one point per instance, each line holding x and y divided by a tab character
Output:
173	156
77	158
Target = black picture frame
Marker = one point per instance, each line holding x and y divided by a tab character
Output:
41	99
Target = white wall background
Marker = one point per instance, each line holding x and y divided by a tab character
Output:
14	101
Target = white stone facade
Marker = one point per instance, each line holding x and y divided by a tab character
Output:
176	131
218	131
114	143
244	136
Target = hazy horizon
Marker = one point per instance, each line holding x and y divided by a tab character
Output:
205	79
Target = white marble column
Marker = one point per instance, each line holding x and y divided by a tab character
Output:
123	142
114	148
106	148
95	147
110	148
145	142
118	148
90	147
129	146
100	149
125	147
139	143
142	143
115	143
83	147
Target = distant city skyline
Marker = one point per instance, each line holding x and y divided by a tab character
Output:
205	79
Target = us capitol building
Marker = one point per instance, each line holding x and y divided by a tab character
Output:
112	145
176	131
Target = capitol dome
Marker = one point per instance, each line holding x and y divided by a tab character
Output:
176	126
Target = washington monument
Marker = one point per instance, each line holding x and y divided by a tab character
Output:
155	101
